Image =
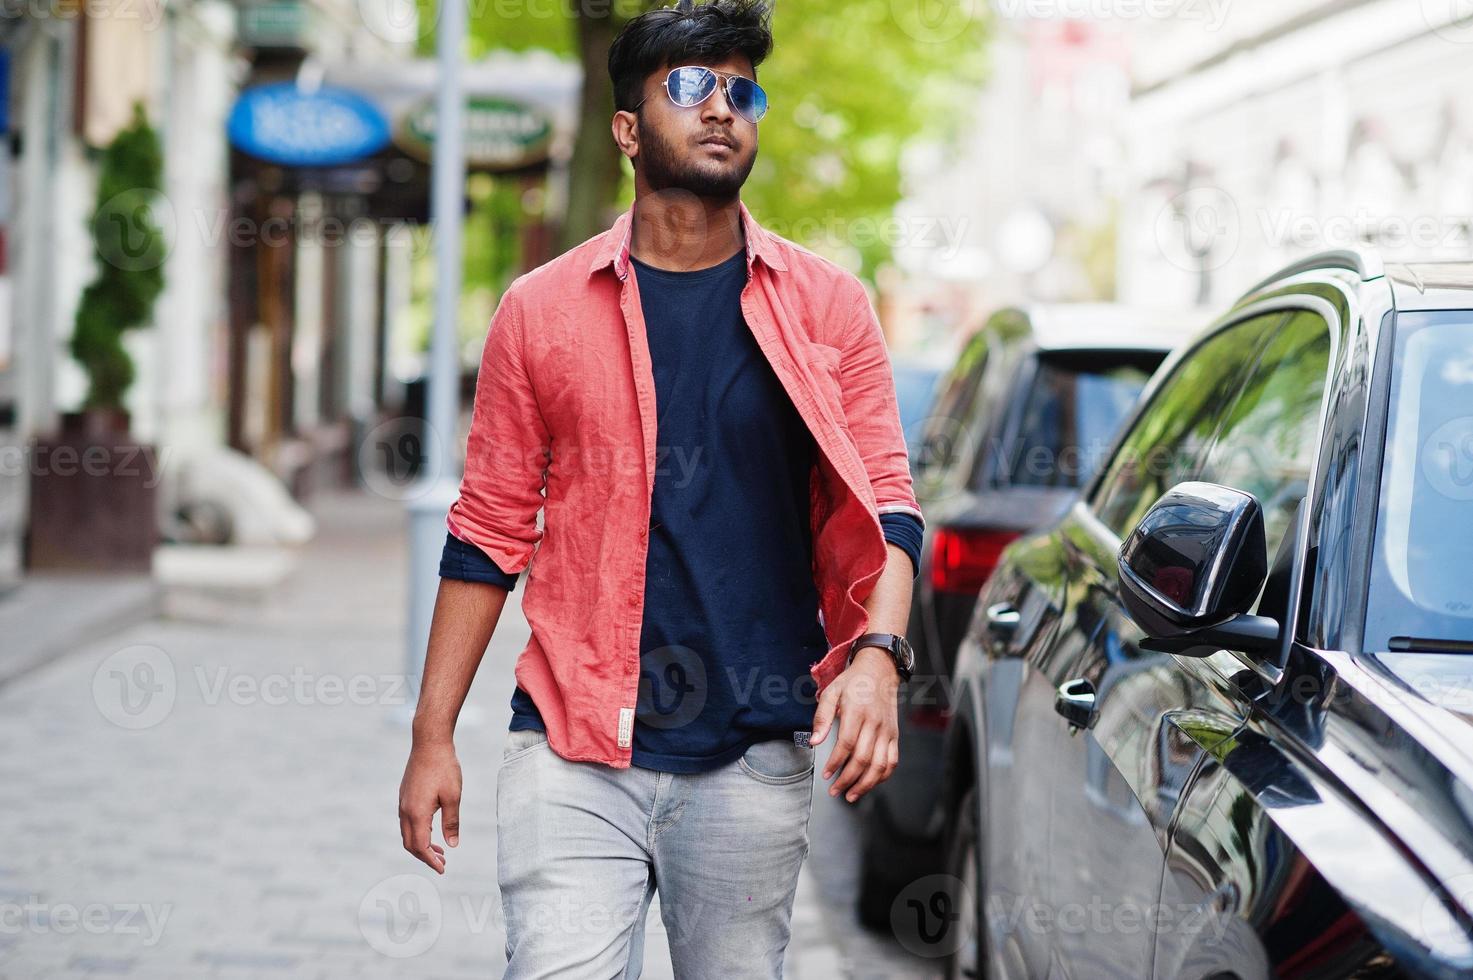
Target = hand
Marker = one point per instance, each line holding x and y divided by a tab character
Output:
431	782
864	698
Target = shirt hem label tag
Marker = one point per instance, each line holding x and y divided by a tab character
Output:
626	727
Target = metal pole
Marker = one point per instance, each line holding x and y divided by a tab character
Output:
439	479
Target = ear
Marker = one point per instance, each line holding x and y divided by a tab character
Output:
626	133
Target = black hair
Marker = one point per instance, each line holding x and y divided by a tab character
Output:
686	32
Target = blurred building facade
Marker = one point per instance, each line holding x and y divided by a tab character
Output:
1024	208
287	281
1289	128
70	77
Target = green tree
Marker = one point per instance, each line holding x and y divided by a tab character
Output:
129	249
851	84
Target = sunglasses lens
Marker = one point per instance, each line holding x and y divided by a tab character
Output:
690	86
748	98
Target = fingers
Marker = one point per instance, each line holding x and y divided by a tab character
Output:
415	829
858	760
823	716
879	770
848	732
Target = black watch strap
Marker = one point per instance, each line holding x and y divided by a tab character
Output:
891	643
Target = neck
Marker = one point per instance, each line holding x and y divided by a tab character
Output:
680	232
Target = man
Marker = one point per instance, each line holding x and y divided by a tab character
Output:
705	413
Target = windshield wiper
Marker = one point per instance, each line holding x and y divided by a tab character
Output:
1422	644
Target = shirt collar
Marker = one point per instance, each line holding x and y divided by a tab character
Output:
613	245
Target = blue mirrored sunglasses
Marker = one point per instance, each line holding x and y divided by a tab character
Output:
691	85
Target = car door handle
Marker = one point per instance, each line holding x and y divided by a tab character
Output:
1003	619
1075	703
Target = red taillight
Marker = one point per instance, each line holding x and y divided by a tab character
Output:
961	560
933	718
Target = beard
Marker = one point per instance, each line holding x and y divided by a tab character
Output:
665	168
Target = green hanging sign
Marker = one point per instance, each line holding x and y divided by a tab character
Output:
499	134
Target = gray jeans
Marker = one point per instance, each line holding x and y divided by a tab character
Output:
582	847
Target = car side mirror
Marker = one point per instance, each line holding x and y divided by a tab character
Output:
1193	566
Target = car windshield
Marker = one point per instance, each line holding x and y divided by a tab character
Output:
1073	412
1420	597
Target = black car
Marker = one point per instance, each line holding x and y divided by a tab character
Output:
1215	722
1032	404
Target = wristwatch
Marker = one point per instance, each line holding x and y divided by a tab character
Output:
892	643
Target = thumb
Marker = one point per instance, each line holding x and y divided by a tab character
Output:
823	718
450	819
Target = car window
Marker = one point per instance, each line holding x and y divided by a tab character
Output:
1423	545
948	415
1168	439
1267	440
1075	404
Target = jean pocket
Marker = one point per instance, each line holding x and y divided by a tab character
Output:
522	741
777	762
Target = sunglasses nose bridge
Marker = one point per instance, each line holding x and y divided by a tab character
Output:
721	90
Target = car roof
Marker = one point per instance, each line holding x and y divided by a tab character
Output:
1104	326
1420	285
1432	285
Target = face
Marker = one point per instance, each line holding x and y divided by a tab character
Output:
707	150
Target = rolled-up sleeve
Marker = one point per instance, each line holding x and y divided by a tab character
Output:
872	412
507	452
467	563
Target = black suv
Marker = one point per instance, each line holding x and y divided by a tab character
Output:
1215	722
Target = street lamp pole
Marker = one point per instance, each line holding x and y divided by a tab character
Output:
439	481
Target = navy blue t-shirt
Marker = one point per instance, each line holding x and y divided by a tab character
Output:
730	621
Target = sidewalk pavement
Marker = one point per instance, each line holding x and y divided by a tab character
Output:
47	615
215	795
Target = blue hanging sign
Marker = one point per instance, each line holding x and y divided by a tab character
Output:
281	123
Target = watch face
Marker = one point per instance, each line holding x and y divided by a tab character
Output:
907	655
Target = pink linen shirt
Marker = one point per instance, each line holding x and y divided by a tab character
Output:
564	422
